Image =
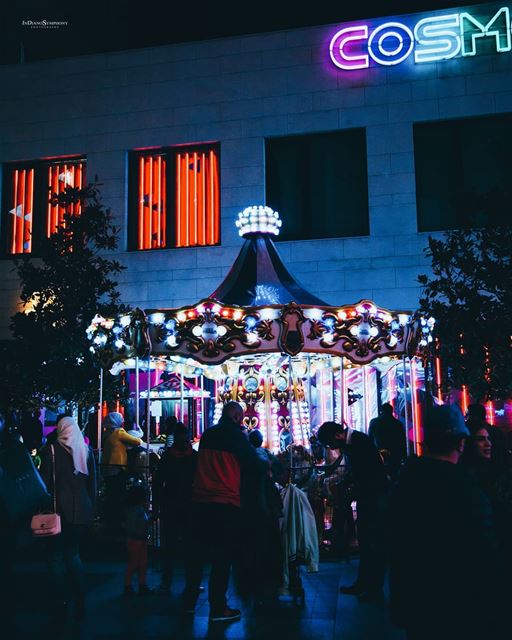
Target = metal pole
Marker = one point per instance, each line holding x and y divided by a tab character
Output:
100	410
406	410
202	404
182	399
148	411
137	391
290	408
342	391
365	400
310	406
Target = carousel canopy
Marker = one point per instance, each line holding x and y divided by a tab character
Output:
258	276
258	309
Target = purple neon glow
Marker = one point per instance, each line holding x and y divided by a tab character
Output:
345	49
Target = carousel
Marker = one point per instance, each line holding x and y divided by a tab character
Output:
291	360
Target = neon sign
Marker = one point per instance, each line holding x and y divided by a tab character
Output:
431	39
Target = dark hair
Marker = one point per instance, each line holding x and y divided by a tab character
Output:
442	442
229	405
386	409
170	424
476	412
326	433
256	438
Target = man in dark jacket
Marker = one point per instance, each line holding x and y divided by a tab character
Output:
444	570
172	499
388	435
224	456
370	484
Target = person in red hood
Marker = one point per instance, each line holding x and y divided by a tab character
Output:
225	458
172	499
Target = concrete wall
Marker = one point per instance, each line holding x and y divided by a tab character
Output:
239	91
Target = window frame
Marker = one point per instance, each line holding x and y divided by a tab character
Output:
41	197
170	153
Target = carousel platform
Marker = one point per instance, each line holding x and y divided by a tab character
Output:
326	615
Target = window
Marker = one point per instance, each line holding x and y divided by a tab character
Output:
463	170
27	212
175	198
318	184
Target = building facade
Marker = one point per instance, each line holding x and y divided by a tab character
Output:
366	137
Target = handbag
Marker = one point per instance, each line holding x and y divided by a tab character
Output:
22	490
47	524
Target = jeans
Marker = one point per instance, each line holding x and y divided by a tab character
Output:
174	528
137	561
66	566
372	554
214	535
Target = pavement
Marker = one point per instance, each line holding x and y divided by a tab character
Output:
325	615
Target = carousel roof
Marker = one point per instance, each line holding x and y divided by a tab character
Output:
258	309
258	277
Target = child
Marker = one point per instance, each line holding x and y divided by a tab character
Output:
136	524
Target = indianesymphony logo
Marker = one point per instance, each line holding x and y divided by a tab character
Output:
44	24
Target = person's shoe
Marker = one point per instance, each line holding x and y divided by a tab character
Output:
144	590
129	590
351	590
202	589
227	615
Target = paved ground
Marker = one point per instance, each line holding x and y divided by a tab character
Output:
326	614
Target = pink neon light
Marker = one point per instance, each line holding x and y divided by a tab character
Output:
344	53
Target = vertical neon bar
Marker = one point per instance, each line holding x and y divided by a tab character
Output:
204	208
178	201
187	192
149	224
15	200
30	206
141	201
438	379
465	399
415	407
196	212
147	182
164	202
49	206
55	209
212	199
19	219
216	208
159	243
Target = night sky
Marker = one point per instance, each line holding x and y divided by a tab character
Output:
115	25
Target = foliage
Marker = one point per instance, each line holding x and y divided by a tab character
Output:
470	296
61	292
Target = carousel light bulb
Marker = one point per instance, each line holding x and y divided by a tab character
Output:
171	341
237	314
125	321
221	330
157	318
403	318
258	219
392	341
119	344
181	316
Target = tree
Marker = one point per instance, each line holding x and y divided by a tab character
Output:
61	292
470	296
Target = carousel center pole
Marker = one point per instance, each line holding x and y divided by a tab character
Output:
182	399
148	411
406	410
137	391
100	409
290	410
341	397
202	404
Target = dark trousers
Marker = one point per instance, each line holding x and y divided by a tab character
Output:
9	598
65	563
214	534
370	535
174	530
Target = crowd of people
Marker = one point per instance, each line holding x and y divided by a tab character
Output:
439	525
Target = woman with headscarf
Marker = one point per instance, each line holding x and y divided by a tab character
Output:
68	469
114	459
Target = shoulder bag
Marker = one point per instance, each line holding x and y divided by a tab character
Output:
48	524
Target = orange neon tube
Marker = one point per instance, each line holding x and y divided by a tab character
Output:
178	201
21	227
30	204
13	243
164	203
141	200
